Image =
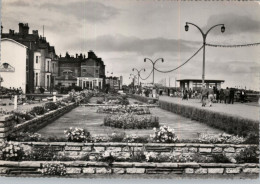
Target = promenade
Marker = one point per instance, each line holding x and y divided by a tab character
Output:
238	109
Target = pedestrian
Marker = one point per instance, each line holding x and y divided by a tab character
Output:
231	95
185	95
204	96
190	93
226	92
210	96
242	96
217	95
221	96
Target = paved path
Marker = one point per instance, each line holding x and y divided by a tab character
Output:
237	109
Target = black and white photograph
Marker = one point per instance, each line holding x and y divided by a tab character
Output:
130	89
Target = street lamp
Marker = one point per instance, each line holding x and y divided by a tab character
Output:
204	36
138	73
153	62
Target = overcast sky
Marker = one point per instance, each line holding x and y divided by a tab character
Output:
123	33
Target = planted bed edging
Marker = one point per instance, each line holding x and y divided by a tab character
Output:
8	125
88	167
228	123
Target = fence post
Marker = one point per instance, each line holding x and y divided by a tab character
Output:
15	102
54	96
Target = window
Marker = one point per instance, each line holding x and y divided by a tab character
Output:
48	66
83	70
36	79
37	59
96	71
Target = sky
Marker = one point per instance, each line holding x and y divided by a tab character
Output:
124	32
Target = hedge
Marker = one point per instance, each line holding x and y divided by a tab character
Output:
228	123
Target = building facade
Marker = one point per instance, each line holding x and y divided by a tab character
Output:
196	84
41	57
14	67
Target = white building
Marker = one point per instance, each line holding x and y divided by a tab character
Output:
13	64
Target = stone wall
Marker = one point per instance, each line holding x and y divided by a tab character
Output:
8	125
124	150
88	167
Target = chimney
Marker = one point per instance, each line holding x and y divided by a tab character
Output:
76	55
11	32
35	32
23	29
84	56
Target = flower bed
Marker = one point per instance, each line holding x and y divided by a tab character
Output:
123	109
114	99
131	121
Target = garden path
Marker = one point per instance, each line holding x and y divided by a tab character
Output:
86	117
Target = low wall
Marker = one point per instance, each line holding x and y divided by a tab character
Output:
124	150
228	123
8	125
88	167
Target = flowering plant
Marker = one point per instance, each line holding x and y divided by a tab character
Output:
220	138
76	134
12	151
123	109
131	121
54	169
164	134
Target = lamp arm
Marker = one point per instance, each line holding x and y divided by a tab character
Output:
196	27
158	60
213	27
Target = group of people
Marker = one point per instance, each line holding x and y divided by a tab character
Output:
226	96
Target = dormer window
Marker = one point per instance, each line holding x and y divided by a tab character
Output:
5	65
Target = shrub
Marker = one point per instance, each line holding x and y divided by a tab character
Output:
220	158
248	155
24	137
38	110
164	134
220	138
77	134
130	121
54	169
51	106
117	137
228	123
12	151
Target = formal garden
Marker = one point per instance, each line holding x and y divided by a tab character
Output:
120	135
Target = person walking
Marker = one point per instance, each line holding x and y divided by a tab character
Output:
226	92
204	96
210	96
221	96
231	95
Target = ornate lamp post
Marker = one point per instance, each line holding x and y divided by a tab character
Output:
138	73
204	36
153	63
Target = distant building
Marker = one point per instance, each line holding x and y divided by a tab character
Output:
196	84
88	73
115	82
42	59
14	64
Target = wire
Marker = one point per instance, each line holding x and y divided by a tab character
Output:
182	63
148	75
230	46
